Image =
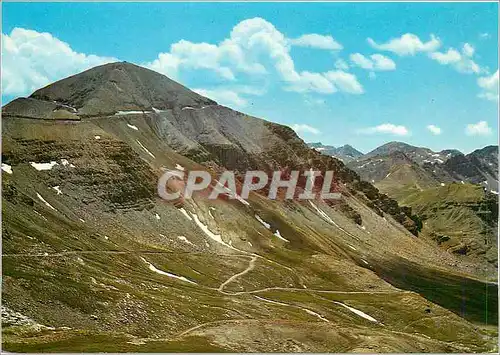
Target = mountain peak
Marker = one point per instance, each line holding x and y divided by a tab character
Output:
119	86
394	146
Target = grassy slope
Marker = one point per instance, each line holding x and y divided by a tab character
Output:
94	281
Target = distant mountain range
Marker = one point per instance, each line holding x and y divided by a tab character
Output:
346	153
454	194
431	168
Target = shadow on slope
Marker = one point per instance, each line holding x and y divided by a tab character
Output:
473	300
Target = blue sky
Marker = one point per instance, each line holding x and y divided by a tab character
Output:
340	73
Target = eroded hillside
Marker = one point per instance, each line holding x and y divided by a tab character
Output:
93	260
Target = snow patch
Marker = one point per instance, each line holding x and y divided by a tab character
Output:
157	216
145	149
494	192
184	239
213	236
124	113
57	189
243	201
65	162
277	233
179	167
358	312
442	184
350	246
43	166
7	168
316	314
188	108
45	202
161	272
132	126
97	137
41	216
264	223
185	214
323	214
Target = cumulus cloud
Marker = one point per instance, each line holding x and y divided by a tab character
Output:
166	64
434	129
386	128
407	44
461	61
32	59
232	95
314	40
304	128
478	129
223	97
489	87
377	62
344	81
341	64
252	49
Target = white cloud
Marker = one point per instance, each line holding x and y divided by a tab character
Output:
32	59
312	82
238	53
468	50
478	129
361	61
232	95
407	44
223	97
303	128
489	86
434	129
460	61
253	48
344	81
484	35
374	62
314	40
386	128
341	64
166	64
250	43
451	56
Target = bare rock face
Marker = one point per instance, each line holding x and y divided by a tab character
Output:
192	125
119	86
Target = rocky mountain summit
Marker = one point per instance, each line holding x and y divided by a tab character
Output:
454	195
345	153
91	252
